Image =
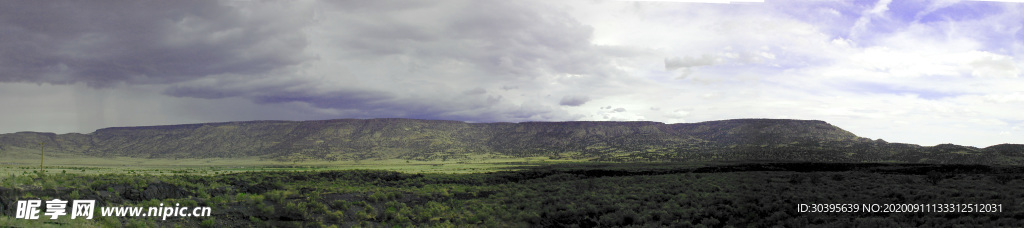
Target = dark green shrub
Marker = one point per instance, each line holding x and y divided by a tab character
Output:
838	177
934	177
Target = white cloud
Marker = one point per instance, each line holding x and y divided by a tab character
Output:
1005	98
933	6
876	12
993	65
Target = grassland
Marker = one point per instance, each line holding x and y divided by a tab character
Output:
27	162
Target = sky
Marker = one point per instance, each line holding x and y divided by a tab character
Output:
922	72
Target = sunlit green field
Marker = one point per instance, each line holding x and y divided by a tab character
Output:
78	164
25	162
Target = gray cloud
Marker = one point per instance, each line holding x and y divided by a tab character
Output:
685	65
367	100
476	61
426	55
103	43
574	100
476	91
503	38
686	62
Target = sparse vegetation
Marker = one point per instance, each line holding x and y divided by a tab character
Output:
583	194
406	140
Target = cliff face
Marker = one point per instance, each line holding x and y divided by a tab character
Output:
353	139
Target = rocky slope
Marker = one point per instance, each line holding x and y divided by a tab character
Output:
357	139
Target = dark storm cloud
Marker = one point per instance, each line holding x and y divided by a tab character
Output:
444	60
200	92
105	42
369	100
466	60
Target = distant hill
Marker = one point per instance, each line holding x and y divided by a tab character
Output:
360	139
